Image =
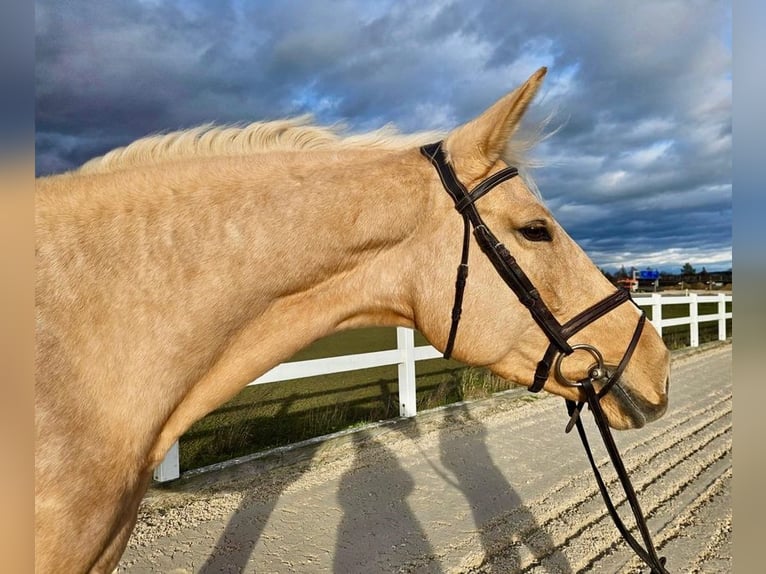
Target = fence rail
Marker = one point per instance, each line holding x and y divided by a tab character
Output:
658	301
407	354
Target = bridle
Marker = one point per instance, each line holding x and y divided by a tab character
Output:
508	269
558	335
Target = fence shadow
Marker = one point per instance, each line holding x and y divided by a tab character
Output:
487	490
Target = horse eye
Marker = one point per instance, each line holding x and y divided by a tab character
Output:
536	233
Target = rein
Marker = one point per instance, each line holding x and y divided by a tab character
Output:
559	348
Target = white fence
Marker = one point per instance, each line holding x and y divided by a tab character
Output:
657	301
407	354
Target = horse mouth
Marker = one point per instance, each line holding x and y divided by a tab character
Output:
636	409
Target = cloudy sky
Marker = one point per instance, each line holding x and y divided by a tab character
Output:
638	171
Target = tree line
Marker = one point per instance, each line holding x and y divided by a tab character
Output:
687	277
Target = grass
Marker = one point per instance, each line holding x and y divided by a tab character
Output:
270	415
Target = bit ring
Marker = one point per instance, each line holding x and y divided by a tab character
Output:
595	372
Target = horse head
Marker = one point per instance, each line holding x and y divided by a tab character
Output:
533	298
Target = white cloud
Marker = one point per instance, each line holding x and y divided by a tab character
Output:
670	259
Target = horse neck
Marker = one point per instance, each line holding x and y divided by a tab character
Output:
178	262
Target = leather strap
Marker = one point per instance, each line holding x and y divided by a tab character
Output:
485	186
558	335
460	283
647	553
574	325
615	376
504	263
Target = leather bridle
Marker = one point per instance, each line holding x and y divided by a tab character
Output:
558	335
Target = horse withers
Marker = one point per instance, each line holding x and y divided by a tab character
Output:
172	272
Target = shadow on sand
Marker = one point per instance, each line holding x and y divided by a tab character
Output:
378	530
504	523
234	547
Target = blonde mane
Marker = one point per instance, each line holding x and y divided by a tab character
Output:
209	140
294	134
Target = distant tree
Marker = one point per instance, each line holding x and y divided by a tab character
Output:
622	274
687	269
606	274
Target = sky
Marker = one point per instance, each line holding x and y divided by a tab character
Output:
638	165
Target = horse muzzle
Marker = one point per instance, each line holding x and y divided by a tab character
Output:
636	409
625	405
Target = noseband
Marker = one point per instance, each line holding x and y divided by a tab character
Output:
558	335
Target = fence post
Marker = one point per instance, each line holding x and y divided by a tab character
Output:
405	342
721	317
657	312
169	468
694	324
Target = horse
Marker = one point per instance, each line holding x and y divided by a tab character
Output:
175	270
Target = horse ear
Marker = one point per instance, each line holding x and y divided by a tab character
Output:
474	147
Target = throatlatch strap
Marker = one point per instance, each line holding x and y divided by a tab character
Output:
460	281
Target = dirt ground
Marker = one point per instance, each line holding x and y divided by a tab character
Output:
487	487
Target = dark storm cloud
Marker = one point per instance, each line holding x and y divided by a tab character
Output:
638	171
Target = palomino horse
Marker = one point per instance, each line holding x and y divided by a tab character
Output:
172	272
